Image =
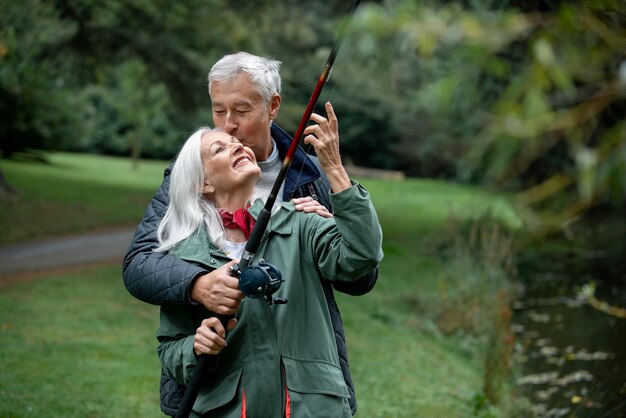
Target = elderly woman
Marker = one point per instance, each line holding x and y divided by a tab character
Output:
277	360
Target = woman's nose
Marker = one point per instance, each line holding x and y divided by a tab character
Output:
237	147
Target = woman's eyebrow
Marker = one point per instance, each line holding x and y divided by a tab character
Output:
217	142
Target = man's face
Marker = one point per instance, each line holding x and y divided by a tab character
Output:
240	111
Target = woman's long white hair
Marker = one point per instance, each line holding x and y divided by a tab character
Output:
188	208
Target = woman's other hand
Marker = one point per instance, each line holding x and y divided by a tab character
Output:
210	337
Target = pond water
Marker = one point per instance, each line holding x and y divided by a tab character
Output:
572	354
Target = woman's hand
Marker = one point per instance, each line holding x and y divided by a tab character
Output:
309	205
210	337
324	136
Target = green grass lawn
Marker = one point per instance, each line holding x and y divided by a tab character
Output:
74	194
78	344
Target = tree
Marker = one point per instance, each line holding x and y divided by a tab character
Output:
68	86
530	102
35	104
79	45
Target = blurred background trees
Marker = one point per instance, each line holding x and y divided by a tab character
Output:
527	97
520	95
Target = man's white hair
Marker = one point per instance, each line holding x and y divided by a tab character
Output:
263	72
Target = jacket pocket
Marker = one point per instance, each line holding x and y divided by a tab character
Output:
219	393
310	376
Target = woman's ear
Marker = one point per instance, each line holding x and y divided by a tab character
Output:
208	189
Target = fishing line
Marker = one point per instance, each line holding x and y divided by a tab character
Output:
307	147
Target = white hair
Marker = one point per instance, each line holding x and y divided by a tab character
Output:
188	208
264	72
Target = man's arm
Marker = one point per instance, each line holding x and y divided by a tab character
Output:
324	136
360	286
152	277
320	190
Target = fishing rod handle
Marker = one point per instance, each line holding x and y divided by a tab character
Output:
206	364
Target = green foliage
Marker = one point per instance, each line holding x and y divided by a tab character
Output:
137	59
129	116
129	78
36	106
529	102
560	120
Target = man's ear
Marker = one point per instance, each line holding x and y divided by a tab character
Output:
274	106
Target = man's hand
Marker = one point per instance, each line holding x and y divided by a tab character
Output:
210	336
323	134
309	205
218	291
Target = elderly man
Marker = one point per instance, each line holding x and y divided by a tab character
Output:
245	100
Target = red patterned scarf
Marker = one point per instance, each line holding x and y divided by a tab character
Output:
241	219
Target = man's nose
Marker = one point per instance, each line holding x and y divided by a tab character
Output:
230	125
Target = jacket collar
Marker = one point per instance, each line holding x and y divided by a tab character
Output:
280	222
194	248
302	169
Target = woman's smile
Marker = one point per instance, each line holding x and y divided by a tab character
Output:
243	160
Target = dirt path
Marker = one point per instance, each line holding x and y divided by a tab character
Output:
70	253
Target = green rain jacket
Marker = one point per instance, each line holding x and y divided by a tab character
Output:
274	348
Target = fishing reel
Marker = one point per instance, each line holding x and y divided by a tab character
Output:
259	280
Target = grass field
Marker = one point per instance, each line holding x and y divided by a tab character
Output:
78	345
75	194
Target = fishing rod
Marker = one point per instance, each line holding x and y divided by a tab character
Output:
264	216
263	279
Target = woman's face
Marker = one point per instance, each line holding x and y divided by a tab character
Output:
228	165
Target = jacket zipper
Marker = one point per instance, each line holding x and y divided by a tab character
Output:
312	191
